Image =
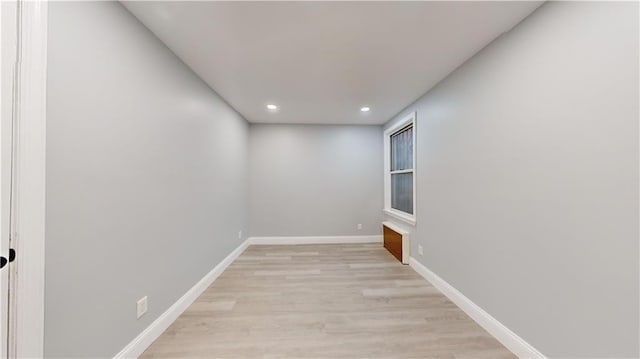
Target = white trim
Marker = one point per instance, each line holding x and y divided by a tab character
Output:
316	240
504	335
410	119
399	124
395	228
28	233
8	31
400	215
140	343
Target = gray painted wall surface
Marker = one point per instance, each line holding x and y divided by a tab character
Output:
528	179
315	180
146	179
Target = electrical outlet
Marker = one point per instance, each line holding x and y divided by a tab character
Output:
359	226
420	249
239	234
142	306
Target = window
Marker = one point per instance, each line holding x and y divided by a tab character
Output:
399	146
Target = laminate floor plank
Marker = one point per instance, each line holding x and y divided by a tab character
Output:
323	301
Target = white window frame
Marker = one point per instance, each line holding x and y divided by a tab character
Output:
399	125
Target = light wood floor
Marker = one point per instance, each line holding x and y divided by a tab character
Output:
323	301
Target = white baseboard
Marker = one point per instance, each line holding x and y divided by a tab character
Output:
504	335
316	240
140	343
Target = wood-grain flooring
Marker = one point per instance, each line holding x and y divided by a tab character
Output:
323	301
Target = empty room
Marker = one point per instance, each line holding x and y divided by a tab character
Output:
320	179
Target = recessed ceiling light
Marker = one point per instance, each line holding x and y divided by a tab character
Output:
272	107
365	109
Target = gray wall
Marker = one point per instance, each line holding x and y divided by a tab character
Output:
527	186
146	179
315	180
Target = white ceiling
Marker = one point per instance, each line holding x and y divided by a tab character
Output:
321	61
